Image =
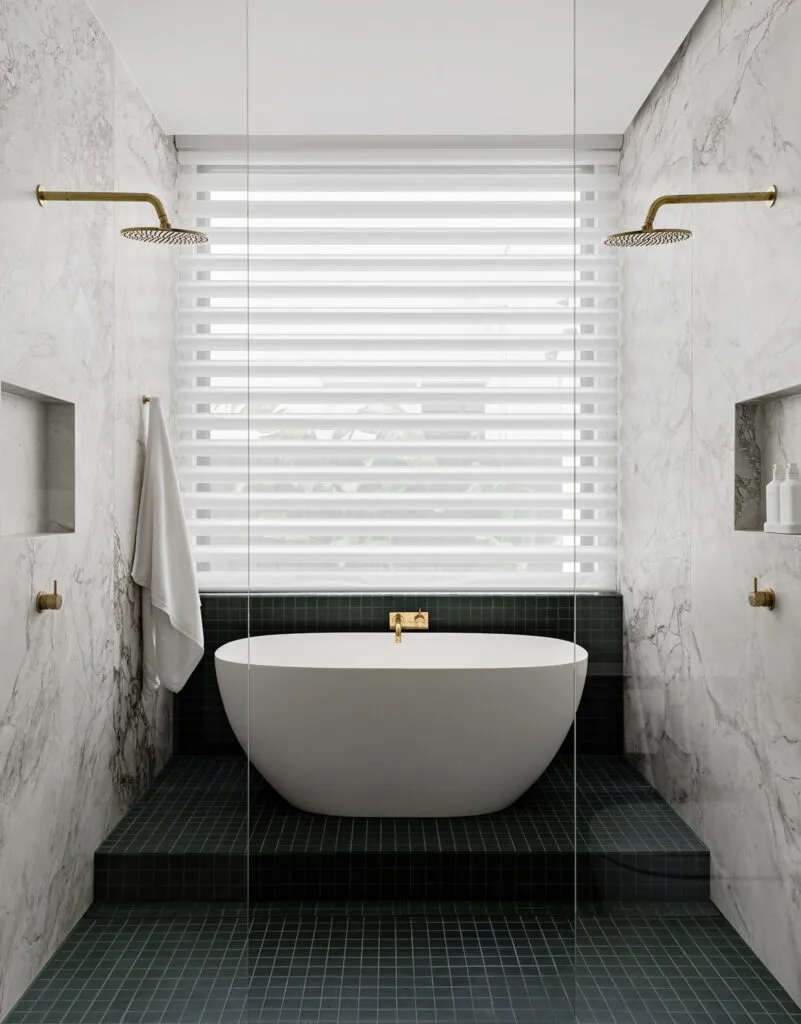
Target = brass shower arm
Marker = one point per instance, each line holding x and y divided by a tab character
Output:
769	198
105	197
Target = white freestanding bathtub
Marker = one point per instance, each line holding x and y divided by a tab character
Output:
440	725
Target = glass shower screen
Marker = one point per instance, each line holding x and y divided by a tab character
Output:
417	487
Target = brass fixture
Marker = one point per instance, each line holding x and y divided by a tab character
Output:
407	620
145	400
649	235
764	598
49	602
165	233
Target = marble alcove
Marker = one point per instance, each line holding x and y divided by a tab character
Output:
37	460
767	432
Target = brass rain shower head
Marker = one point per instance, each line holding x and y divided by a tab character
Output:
649	235
165	233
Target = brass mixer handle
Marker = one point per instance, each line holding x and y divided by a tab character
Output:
49	602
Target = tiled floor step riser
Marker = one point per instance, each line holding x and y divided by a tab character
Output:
540	878
212	829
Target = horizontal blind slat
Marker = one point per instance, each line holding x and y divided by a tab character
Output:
255	179
256	395
416	261
333	474
398	553
414	159
508	500
256	369
395	317
412	421
324	450
333	528
355	234
255	343
378	208
190	291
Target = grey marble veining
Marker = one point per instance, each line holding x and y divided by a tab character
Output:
713	698
87	317
748	486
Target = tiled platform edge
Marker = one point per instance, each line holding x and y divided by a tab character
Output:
200	724
210	829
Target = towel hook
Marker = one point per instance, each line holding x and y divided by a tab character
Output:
145	399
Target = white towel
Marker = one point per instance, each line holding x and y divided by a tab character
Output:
171	624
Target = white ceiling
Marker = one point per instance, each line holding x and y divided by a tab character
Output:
395	67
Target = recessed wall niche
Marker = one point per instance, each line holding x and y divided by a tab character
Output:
37	463
767	431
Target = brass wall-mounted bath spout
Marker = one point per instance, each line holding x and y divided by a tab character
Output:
165	233
649	235
407	620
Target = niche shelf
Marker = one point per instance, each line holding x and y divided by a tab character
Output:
37	463
767	430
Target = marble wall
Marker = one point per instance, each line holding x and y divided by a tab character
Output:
88	317
713	701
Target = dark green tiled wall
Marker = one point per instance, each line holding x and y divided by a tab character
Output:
202	728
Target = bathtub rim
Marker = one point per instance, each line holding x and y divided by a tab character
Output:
237	653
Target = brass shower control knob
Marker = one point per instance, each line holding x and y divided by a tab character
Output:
764	598
49	602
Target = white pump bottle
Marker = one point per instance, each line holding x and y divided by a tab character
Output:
790	498
772	500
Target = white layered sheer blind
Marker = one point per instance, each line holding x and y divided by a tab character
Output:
398	370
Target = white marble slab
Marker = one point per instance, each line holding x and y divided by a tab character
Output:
80	311
713	701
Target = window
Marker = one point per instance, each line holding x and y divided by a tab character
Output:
398	370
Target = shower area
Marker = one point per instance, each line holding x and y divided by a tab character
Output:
478	699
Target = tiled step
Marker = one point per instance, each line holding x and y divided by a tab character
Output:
211	829
211	965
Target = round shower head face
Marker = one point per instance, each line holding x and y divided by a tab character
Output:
165	236
654	236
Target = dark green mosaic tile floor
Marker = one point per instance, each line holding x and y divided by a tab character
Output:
200	966
203	805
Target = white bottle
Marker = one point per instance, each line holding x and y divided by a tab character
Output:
790	497
772	502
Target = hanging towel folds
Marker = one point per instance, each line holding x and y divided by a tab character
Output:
163	566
